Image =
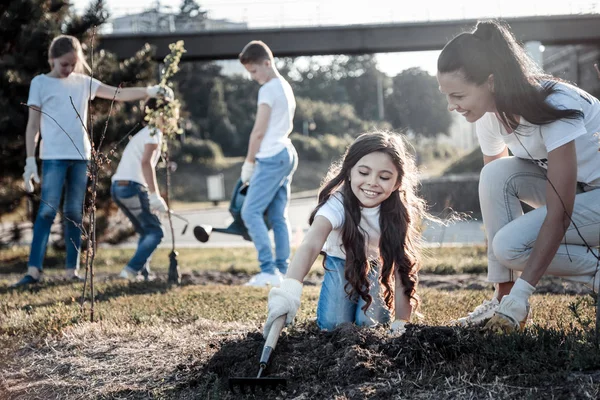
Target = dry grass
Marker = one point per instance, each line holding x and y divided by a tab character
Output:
147	335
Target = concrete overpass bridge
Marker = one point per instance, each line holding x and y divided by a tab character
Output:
352	39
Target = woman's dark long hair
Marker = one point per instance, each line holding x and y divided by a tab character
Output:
520	87
399	218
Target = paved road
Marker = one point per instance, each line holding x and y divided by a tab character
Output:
462	233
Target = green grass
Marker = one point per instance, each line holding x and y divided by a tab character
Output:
13	261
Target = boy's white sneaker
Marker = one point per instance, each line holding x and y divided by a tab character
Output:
264	279
480	314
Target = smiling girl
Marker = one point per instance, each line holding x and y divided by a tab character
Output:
550	127
366	226
57	101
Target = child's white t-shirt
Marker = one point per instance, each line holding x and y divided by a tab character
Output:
278	95
130	167
536	141
333	210
53	97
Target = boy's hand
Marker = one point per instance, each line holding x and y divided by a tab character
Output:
247	171
157	203
398	327
158	90
284	299
31	172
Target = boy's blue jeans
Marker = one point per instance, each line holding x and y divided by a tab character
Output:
335	308
132	199
56	175
269	192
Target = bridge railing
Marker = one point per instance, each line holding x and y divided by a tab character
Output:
295	13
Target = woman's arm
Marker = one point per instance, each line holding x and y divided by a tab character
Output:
560	198
489	159
309	249
147	167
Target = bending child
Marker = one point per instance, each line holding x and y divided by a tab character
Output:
135	190
366	225
65	149
550	127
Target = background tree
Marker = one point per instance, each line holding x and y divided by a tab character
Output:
26	29
220	128
416	103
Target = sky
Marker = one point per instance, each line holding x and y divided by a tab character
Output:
289	13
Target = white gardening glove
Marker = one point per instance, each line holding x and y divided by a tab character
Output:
247	171
31	171
398	327
512	312
157	203
159	90
284	299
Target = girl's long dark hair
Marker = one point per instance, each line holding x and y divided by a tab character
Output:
399	219
520	87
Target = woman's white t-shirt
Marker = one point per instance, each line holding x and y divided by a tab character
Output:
534	142
63	134
333	210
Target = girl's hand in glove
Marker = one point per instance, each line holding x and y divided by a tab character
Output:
283	300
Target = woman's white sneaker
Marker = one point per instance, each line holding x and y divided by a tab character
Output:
480	314
264	279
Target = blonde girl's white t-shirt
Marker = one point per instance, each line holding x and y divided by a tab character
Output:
130	167
333	210
279	96
534	142
53	96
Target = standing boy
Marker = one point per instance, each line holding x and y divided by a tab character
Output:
269	166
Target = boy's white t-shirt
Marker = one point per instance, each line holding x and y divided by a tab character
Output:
278	95
130	167
536	141
53	97
333	210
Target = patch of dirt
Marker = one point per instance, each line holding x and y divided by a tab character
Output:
427	362
96	361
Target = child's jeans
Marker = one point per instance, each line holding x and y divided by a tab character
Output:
335	308
511	234
132	198
269	192
56	175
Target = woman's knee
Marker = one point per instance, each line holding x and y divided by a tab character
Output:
493	174
509	250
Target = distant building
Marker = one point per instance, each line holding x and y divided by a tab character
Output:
154	20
